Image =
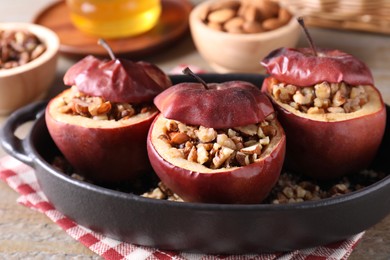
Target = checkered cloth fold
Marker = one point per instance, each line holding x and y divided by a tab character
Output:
21	178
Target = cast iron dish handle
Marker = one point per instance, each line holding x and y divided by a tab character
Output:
12	144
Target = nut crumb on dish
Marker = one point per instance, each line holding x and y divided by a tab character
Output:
290	188
161	192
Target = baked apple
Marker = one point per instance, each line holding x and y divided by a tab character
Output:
217	142
100	123
333	115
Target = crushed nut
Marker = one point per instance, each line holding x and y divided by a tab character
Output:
294	188
217	148
290	188
161	192
321	98
98	108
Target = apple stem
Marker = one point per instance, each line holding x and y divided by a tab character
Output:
107	47
311	42
189	72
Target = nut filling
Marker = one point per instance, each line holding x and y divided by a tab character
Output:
321	98
97	108
18	48
219	148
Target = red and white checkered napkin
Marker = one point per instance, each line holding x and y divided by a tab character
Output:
21	178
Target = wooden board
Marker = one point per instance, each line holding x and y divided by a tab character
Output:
172	25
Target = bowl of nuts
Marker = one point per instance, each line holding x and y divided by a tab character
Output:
28	62
234	35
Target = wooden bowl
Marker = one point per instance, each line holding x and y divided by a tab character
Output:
231	52
29	82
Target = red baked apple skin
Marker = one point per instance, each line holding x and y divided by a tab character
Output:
327	150
102	154
240	185
117	80
190	103
301	67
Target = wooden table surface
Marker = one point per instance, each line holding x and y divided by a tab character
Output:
27	234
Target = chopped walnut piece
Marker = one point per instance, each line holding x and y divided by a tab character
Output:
336	110
193	155
203	154
315	110
224	140
206	135
268	130
242	158
265	141
302	98
254	149
178	138
322	90
338	99
247	130
162	192
172	125
221	156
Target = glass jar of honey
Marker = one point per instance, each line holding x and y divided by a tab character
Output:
114	18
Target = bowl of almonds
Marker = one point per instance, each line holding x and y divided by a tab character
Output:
28	62
234	35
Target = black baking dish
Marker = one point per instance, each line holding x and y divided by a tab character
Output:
196	227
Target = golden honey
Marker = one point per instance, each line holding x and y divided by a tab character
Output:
114	18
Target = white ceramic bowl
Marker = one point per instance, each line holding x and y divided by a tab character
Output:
29	82
227	52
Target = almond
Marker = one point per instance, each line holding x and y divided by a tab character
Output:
245	16
252	27
267	8
284	15
221	16
250	14
223	5
271	24
234	25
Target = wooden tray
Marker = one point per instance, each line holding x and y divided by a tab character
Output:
172	25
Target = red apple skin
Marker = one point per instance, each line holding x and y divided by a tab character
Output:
301	67
103	155
118	80
243	185
328	150
192	104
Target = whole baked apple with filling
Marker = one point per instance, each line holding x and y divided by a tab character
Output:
100	123
216	142
333	115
